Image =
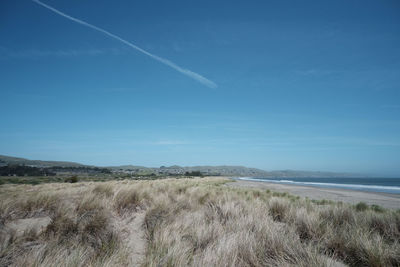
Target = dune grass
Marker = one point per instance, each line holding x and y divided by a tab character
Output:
191	222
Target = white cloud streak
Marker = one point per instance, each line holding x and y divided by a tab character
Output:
171	64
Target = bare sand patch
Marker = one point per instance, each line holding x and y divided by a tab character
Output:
21	226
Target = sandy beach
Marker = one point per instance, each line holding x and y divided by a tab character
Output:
390	201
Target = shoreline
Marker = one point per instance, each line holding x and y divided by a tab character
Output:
386	200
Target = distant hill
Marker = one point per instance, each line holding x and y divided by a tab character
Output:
231	171
228	170
178	170
6	160
206	170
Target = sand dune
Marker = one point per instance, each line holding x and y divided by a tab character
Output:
390	201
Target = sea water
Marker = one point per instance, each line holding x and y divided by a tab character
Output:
385	185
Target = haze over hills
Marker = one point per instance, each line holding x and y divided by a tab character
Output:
178	170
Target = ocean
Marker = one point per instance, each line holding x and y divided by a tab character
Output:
384	185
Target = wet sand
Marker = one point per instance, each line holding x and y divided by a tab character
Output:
389	201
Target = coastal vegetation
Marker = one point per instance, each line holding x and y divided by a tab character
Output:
21	170
188	222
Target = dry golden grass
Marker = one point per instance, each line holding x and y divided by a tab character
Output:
188	222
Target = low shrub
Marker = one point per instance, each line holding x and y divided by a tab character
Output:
361	206
72	179
377	208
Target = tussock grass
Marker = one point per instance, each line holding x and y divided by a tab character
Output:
104	190
307	225
192	222
127	200
30	205
278	208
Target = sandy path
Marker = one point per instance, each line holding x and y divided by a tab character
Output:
390	201
132	235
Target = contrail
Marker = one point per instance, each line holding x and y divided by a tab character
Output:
171	64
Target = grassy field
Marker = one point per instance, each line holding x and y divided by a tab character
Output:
187	222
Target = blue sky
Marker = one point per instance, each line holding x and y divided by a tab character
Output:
307	85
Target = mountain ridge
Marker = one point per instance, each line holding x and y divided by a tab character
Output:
222	170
